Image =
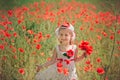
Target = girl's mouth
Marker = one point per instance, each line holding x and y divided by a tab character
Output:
61	42
63	39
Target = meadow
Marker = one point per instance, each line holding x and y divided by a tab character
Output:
27	38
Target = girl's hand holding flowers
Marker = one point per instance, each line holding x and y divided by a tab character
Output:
84	54
86	48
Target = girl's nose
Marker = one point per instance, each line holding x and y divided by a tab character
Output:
63	37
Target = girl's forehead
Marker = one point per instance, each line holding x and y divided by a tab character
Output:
64	30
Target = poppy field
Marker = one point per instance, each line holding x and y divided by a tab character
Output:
27	38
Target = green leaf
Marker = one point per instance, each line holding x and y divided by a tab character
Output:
65	54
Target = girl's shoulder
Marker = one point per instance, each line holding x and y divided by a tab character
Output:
57	48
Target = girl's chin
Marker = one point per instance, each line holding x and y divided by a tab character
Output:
64	43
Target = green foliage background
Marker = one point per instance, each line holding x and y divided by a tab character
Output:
105	49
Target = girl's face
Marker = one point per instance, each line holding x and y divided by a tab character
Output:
64	36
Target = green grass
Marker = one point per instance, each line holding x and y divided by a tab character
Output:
106	49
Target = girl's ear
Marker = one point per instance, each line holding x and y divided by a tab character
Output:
59	40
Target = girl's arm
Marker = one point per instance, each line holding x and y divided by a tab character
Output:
52	61
79	58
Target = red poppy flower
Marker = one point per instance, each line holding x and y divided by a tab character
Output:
19	21
98	60
112	37
86	68
30	32
24	28
85	46
81	28
99	37
1	47
104	34
6	34
10	13
38	46
88	62
60	69
40	35
48	35
100	71
70	53
66	71
15	57
21	71
21	50
15	34
25	8
118	42
91	28
4	58
118	31
59	64
67	61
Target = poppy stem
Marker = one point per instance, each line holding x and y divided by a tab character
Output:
112	51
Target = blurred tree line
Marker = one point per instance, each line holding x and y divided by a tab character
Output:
108	4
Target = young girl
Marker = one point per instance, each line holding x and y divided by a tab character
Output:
62	64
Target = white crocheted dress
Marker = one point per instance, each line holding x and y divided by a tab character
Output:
51	73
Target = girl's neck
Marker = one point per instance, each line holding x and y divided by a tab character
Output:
64	47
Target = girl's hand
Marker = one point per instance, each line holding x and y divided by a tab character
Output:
85	54
39	67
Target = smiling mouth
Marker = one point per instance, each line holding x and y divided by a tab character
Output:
61	42
63	39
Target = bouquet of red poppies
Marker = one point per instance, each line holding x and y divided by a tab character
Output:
85	46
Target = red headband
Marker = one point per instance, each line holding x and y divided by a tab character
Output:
66	25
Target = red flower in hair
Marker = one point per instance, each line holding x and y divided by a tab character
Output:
65	25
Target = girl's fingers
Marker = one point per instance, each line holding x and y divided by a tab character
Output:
38	68
85	54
